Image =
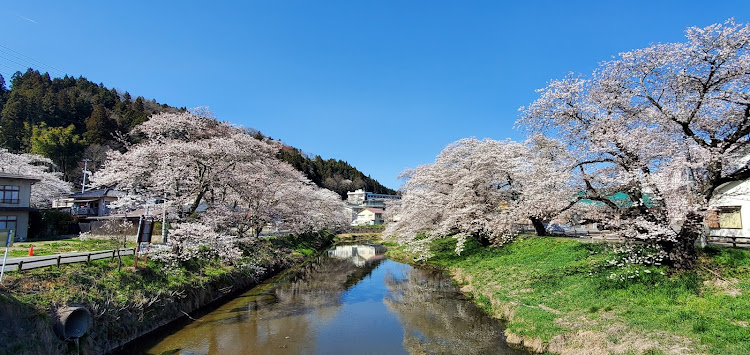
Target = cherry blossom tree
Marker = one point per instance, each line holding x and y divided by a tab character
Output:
188	158
193	159
664	126
484	190
43	192
190	241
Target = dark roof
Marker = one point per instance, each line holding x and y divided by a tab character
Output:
94	193
19	177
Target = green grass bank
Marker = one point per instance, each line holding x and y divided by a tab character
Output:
68	245
561	295
126	302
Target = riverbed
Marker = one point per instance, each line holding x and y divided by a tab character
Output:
350	300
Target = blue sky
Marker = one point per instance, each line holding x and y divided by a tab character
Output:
384	85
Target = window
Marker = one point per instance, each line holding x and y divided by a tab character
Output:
9	194
9	222
729	217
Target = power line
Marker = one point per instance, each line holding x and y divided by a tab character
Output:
23	57
22	62
5	74
12	61
9	67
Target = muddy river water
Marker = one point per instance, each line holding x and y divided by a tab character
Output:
351	300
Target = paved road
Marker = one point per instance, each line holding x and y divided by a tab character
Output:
33	262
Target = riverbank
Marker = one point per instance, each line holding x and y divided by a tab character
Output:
561	295
125	302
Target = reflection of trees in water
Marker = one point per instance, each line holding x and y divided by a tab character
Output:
321	283
280	319
436	319
313	292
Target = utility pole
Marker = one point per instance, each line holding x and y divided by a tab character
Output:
85	171
164	219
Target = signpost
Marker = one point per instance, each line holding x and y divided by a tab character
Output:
8	234
145	231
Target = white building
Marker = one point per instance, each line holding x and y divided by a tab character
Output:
369	216
729	211
359	200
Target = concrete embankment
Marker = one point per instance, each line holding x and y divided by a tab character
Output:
30	324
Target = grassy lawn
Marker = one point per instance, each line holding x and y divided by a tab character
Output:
63	246
563	294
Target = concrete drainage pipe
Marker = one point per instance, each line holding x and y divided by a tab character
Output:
73	322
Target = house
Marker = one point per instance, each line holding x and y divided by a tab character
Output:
728	216
15	203
92	203
369	216
357	201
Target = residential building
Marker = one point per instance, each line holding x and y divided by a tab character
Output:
92	203
15	203
729	211
359	200
369	216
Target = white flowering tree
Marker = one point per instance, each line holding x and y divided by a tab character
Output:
187	157
192	159
483	189
51	185
192	241
664	126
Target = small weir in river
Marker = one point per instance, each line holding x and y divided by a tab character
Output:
351	300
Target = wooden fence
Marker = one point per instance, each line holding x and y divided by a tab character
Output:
21	264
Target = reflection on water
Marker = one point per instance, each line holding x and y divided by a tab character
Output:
349	301
359	255
438	320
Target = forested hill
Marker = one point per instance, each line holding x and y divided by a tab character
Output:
70	119
335	175
67	119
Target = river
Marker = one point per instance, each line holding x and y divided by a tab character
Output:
351	300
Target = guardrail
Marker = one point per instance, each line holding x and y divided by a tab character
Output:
605	235
574	233
57	260
734	242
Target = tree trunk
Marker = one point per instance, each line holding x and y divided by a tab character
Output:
197	202
483	240
538	226
681	254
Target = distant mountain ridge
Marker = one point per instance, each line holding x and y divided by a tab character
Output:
70	119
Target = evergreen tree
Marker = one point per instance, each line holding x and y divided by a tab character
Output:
99	126
60	144
12	125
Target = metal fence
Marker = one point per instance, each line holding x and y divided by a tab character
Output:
57	260
607	235
729	241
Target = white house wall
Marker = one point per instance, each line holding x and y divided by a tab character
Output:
733	194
